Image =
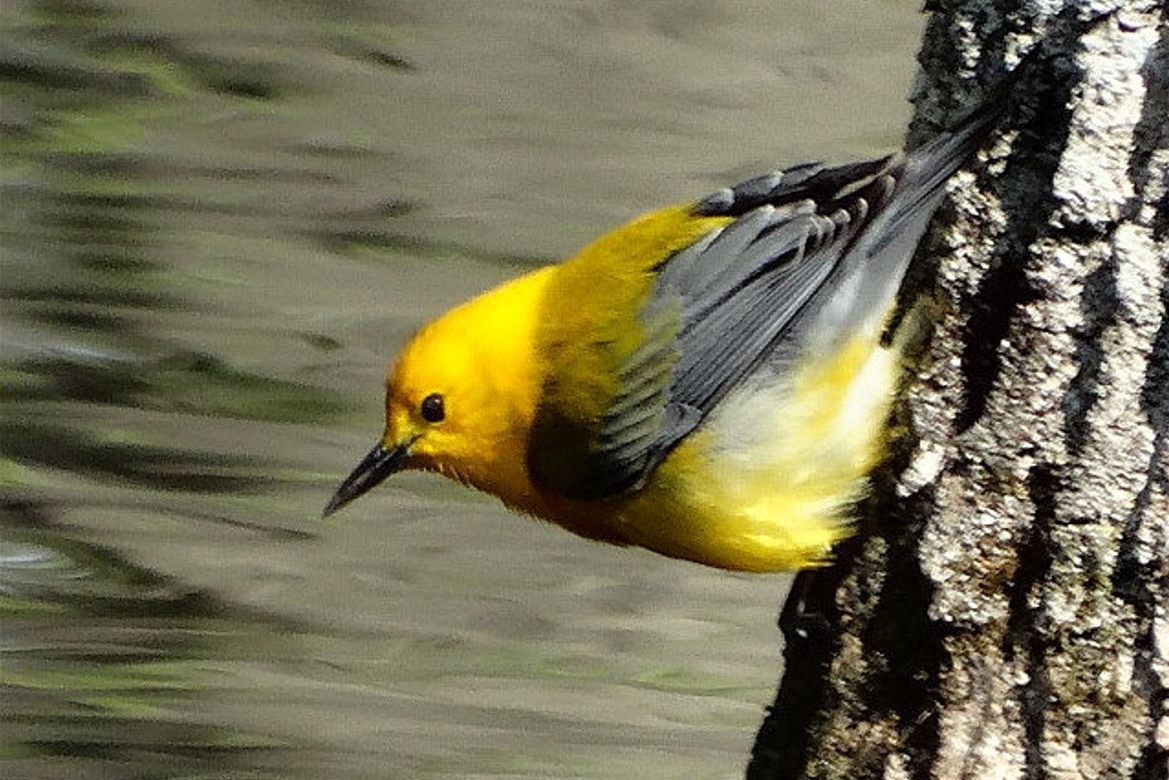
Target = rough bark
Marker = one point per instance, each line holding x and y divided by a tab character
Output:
1006	612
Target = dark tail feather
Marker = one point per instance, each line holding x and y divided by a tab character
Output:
927	168
875	265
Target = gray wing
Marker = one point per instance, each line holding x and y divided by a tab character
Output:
732	301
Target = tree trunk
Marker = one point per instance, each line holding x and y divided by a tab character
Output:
1005	613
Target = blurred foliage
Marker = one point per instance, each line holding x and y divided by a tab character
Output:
143	465
188	382
100	653
87	258
107	684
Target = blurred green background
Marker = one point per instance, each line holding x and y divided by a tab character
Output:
219	222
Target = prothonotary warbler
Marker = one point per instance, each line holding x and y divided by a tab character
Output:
709	381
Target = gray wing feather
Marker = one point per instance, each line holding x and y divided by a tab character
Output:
731	301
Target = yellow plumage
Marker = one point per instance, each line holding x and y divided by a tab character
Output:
707	382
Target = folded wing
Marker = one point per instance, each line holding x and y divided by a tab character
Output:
801	241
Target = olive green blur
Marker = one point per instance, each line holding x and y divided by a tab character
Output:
216	219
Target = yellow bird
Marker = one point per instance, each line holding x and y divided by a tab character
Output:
709	381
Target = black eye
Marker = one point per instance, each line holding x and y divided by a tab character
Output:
431	408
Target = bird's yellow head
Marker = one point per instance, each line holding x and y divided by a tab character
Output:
460	398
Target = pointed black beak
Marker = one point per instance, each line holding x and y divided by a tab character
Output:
380	463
